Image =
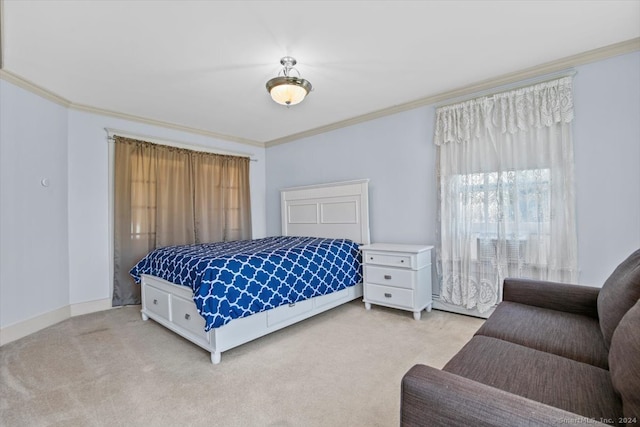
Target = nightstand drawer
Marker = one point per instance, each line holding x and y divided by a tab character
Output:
403	261
389	295
390	276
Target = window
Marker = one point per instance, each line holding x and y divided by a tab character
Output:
507	209
143	206
506	198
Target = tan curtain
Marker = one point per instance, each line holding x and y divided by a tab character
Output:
222	199
169	196
174	195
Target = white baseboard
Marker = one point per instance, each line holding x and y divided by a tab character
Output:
90	307
438	304
27	327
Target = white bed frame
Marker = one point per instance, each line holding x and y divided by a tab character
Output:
335	210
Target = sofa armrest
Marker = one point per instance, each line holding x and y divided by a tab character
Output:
431	397
555	296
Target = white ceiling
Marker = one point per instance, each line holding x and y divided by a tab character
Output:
204	64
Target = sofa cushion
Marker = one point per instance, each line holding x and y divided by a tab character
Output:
434	398
574	336
544	377
624	359
618	294
566	297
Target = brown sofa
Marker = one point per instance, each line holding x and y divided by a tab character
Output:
550	354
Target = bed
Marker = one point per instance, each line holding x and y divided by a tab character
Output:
321	225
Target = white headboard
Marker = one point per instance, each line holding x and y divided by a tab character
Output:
333	210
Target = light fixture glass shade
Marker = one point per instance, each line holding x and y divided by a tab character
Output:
288	90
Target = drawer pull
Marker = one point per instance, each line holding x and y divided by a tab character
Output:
155	301
387	295
293	304
387	276
371	258
402	261
187	316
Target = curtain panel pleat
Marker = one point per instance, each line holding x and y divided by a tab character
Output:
506	200
167	196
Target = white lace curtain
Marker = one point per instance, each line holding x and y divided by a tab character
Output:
506	192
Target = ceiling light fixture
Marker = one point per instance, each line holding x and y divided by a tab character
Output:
285	89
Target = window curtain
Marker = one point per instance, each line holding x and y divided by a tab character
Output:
167	196
506	202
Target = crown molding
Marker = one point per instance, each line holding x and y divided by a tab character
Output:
34	88
51	96
160	123
505	79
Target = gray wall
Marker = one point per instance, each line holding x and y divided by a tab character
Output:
398	156
34	262
607	155
393	152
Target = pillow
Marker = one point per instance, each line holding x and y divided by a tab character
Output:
624	362
618	294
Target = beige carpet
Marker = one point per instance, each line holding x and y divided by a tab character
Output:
340	368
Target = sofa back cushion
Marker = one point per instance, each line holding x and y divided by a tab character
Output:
624	362
618	294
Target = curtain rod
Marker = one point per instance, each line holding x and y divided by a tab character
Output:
178	144
521	84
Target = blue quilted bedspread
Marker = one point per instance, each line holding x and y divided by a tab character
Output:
236	279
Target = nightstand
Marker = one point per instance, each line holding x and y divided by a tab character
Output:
397	276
